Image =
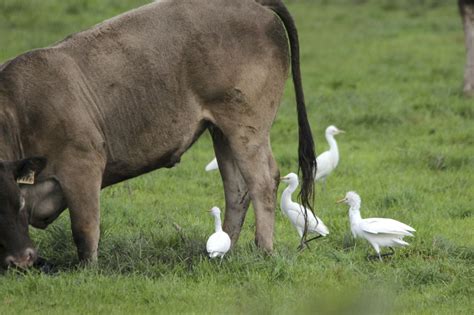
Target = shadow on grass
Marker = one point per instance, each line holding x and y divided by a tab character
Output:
125	254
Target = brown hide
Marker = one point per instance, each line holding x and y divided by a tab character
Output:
133	93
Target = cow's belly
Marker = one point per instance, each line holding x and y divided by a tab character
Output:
161	147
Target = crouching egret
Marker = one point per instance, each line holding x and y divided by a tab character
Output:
212	165
378	232
294	212
218	243
328	160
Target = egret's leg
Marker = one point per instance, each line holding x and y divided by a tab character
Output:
377	251
372	257
312	239
237	198
302	245
392	251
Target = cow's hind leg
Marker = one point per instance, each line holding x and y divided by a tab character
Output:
254	158
237	198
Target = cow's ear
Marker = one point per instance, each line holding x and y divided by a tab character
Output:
27	170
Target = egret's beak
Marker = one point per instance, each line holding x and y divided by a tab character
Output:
341	131
341	201
282	178
209	210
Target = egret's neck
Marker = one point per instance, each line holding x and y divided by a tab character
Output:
333	146
217	223
286	196
354	214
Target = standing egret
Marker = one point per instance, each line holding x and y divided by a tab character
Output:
328	160
218	243
378	232
212	165
294	212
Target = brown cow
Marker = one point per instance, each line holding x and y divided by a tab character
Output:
131	95
466	9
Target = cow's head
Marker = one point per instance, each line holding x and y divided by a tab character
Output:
16	247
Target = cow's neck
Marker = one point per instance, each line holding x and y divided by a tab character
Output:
10	144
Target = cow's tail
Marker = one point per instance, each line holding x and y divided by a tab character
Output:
306	155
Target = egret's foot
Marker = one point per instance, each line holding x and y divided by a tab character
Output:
302	246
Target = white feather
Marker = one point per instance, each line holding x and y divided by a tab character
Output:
328	160
295	212
219	242
212	165
379	232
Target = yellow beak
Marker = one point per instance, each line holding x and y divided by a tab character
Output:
341	201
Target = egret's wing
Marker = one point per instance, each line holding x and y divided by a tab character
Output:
387	226
296	217
324	165
212	165
321	228
218	242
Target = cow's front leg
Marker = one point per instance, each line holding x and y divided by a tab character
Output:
85	221
81	183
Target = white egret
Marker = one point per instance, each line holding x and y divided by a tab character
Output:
212	165
294	212
379	232
218	243
328	160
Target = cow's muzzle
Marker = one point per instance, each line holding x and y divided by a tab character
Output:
22	261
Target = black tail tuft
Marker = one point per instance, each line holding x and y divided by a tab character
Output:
306	155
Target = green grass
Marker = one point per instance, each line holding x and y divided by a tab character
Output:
389	73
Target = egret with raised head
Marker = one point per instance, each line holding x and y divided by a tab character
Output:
328	160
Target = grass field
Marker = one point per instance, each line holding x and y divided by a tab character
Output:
387	72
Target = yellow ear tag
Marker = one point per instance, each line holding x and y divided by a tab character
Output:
29	179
